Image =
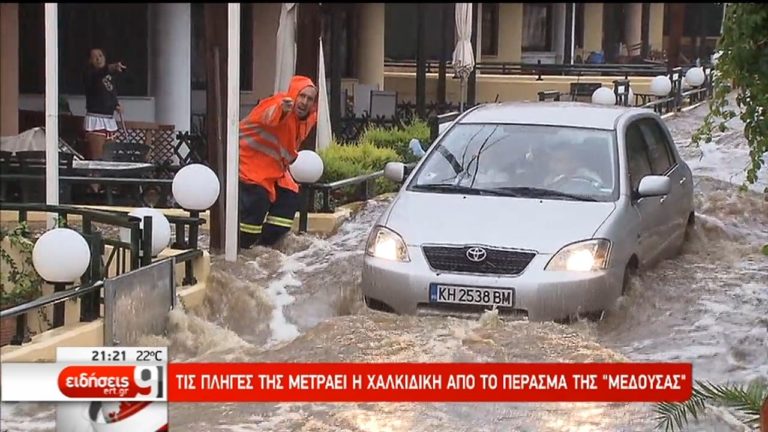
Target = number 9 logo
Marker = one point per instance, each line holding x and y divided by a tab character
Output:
149	380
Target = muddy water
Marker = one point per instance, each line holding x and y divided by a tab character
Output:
301	303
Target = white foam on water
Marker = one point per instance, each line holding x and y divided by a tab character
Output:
282	329
725	158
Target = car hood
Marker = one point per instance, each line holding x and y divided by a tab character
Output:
542	225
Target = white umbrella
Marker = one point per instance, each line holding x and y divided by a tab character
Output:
463	57
286	47
324	134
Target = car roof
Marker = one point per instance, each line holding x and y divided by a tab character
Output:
572	114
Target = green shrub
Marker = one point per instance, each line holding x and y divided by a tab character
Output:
398	139
346	161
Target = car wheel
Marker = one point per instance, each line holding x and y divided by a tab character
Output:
376	305
629	272
690	227
688	234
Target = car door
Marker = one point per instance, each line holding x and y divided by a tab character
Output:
649	208
664	163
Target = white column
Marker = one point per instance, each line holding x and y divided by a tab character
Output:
370	47
233	117
572	30
170	63
558	39
51	108
479	40
633	18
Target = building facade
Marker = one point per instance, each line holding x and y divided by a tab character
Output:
162	45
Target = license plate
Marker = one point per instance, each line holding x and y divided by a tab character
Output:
471	295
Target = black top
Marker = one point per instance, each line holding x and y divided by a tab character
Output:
100	92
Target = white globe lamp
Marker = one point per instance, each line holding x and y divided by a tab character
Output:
604	96
695	76
195	187
661	86
161	229
61	256
394	171
307	168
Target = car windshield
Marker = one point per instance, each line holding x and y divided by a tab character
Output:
553	162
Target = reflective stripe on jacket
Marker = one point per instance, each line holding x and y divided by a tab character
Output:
269	143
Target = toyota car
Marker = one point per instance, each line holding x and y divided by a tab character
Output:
536	210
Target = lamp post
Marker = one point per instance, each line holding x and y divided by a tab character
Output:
156	232
661	86
195	188
60	257
306	169
695	76
604	96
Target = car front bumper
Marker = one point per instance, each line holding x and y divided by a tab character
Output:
540	295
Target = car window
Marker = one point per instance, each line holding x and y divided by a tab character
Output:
637	155
659	151
570	160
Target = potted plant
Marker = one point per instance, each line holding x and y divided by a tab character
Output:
19	282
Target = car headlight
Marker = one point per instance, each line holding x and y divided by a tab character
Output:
386	244
583	256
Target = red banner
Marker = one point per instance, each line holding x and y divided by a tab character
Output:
429	382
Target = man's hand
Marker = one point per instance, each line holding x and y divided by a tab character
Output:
287	105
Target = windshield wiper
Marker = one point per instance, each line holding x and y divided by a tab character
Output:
534	192
441	187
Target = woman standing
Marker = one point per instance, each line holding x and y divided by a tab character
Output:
100	102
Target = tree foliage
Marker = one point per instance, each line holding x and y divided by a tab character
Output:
742	67
745	400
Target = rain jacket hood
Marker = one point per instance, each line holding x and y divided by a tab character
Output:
269	140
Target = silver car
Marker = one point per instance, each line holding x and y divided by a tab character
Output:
538	210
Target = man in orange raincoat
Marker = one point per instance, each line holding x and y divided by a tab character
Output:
270	137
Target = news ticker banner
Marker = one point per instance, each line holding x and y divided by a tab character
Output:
116	379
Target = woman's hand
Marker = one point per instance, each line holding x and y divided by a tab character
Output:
119	108
117	67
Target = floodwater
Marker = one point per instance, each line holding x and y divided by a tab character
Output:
301	303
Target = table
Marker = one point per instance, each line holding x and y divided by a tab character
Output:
112	169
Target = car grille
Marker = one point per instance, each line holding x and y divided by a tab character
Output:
497	261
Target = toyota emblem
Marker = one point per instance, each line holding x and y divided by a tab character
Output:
476	254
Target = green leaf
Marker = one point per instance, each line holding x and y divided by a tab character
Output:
764	250
746	401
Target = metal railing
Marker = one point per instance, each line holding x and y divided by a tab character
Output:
544	69
125	255
66	182
676	99
309	193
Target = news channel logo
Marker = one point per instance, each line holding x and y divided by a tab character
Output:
133	415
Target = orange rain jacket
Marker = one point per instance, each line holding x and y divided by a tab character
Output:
269	145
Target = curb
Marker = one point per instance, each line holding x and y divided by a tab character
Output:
683	110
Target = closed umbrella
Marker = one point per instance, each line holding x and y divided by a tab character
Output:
324	135
286	47
463	57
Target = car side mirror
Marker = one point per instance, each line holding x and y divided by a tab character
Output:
654	185
395	171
